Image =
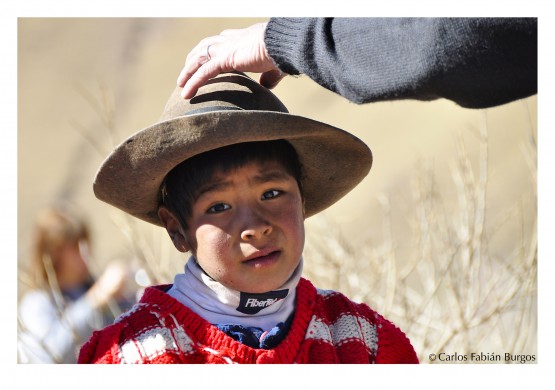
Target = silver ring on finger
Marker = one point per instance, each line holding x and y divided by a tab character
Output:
208	57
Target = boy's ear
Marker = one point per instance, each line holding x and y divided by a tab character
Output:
173	227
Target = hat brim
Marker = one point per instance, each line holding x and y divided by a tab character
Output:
333	161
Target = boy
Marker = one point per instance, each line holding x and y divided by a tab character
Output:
232	175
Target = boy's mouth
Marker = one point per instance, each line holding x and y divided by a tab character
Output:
263	257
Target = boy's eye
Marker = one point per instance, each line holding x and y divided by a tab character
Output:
271	194
218	208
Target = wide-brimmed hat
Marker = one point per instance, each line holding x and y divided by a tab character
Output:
229	109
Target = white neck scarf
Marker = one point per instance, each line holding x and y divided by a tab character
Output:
220	305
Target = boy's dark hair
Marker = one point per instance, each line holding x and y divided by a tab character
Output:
181	185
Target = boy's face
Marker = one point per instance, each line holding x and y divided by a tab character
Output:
247	227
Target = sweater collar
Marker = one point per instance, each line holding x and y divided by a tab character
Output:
156	300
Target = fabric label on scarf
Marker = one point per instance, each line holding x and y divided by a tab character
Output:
253	303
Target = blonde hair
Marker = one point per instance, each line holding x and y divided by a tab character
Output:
54	228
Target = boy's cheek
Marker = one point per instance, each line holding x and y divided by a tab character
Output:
209	236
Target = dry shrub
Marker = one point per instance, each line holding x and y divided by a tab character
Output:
450	293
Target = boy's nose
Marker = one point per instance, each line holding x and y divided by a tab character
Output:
255	227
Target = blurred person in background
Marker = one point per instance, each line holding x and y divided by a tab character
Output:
65	303
475	62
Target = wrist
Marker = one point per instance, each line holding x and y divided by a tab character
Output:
282	39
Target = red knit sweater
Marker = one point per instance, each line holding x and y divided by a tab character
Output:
327	328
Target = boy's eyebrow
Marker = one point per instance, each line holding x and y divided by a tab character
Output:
264	177
273	175
219	185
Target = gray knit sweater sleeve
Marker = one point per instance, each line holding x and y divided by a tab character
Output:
475	62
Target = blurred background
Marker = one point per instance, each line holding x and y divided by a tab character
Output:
440	238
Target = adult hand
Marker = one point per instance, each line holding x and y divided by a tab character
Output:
241	50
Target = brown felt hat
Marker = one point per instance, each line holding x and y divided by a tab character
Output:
229	109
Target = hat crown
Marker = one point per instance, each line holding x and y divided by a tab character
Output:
228	91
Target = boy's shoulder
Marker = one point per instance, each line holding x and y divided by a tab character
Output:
338	319
149	315
151	306
337	304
